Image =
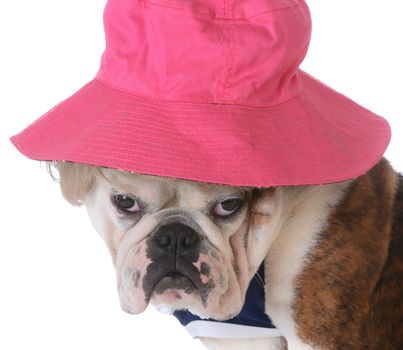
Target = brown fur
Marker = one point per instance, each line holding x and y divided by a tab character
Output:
350	294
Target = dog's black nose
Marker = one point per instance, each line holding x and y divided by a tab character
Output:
176	238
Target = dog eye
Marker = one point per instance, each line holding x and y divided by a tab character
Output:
227	207
126	203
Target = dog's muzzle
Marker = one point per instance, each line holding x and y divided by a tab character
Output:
173	249
175	265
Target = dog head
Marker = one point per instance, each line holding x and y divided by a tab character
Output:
175	243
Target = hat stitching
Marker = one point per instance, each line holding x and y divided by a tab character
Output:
224	52
231	55
211	15
116	155
201	101
144	109
221	95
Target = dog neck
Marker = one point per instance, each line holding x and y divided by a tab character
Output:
304	215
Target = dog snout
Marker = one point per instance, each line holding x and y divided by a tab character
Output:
176	239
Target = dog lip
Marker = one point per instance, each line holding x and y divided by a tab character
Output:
174	280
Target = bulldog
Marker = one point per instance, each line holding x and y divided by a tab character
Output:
333	254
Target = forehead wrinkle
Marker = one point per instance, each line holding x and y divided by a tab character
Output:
158	191
172	182
150	188
200	195
211	188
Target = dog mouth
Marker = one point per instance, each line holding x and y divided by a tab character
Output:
174	281
166	277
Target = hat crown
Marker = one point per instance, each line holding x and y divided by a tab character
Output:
215	51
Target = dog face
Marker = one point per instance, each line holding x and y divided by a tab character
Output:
180	244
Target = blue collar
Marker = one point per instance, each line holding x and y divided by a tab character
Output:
252	313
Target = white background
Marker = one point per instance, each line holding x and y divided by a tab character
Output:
57	284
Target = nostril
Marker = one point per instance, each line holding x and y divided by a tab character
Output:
164	240
176	238
190	240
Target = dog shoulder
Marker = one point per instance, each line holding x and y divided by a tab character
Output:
353	271
384	327
304	213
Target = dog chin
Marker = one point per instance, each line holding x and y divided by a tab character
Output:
174	293
172	299
175	289
166	300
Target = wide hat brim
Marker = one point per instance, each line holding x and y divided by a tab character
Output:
317	137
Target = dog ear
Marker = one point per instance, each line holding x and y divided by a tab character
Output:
75	180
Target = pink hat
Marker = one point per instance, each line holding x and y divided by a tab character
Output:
210	90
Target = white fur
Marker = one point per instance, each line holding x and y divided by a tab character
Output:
305	216
298	216
126	239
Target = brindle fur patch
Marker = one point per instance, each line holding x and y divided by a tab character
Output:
350	294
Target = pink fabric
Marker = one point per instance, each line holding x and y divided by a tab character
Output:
210	91
202	56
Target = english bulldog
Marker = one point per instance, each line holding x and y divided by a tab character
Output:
333	254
